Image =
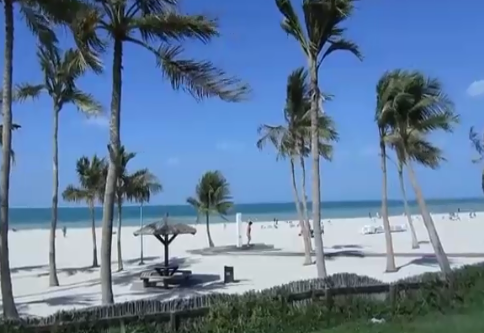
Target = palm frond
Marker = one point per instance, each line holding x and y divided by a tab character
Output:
212	194
477	143
74	194
291	24
24	91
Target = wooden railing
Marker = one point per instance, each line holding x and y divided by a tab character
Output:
174	318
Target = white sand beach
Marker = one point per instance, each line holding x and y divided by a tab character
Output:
80	286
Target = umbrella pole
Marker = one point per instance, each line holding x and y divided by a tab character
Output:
141	262
166	243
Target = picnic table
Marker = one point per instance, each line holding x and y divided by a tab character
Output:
165	274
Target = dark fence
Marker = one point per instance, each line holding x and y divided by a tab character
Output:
131	314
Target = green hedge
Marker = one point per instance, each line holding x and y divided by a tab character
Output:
272	310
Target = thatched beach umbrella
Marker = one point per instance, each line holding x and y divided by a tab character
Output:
166	233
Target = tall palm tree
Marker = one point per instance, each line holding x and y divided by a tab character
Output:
384	125
212	196
123	192
323	20
290	140
419	106
14	127
90	174
38	16
477	142
60	72
147	24
143	185
421	151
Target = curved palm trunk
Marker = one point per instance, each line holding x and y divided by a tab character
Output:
93	232
9	309
316	181
407	209
429	223
207	223
305	201
384	212
112	176
304	229
118	243
53	280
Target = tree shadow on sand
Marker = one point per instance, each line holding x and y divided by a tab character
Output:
233	249
429	260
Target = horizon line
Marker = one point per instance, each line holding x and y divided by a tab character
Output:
250	203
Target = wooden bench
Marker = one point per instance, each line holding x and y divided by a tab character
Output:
151	278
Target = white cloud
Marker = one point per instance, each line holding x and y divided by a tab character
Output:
100	121
476	88
173	161
229	146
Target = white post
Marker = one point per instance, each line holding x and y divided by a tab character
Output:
238	226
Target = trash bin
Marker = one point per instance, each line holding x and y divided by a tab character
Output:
228	274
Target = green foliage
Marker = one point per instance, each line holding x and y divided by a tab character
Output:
278	309
158	27
91	175
212	195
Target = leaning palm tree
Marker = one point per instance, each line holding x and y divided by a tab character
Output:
290	141
418	105
90	174
322	27
60	73
384	95
38	16
157	27
212	196
421	151
143	185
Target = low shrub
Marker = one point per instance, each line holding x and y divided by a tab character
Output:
278	309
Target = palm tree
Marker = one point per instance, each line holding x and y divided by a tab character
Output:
147	24
38	16
61	72
123	192
417	106
383	122
90	173
478	144
14	127
323	20
212	196
290	141
421	151
143	185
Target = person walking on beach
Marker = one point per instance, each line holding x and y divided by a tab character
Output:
64	231
249	233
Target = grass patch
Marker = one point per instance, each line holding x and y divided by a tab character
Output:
469	321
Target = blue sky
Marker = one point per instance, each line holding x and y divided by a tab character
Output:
179	139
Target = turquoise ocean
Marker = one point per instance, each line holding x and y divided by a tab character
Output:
30	218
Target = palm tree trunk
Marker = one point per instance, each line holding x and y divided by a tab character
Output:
9	309
384	212
53	280
112	176
209	236
407	209
120	219
304	228
429	223
141	262
316	181
93	231
304	200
